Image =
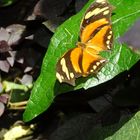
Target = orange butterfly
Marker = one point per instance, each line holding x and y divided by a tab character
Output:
95	36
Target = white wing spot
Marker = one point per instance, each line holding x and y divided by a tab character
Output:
97	63
106	12
59	77
91	70
108	47
102	61
64	68
94	67
103	2
100	1
109	37
107	42
95	12
71	75
110	32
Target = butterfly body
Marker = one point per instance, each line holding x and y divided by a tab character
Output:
95	36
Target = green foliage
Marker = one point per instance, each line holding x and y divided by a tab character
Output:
126	129
7	86
87	128
120	58
6	2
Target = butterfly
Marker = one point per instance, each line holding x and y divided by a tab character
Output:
95	36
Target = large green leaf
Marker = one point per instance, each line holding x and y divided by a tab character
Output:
126	129
86	127
121	58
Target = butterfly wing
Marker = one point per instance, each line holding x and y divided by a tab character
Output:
68	67
95	36
96	27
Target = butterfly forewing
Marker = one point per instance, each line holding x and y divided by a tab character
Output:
68	67
96	25
95	36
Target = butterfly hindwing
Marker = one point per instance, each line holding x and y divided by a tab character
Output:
95	36
91	62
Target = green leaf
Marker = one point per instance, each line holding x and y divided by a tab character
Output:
121	58
4	3
7	86
126	129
